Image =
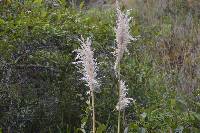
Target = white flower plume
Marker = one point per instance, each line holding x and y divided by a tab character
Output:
85	55
123	100
123	36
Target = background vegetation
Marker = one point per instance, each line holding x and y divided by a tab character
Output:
40	88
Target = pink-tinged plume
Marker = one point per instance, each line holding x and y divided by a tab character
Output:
123	100
85	55
123	36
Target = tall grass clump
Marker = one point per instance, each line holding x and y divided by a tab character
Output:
123	37
85	56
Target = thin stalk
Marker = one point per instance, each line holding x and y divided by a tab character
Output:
123	118
93	112
119	113
119	120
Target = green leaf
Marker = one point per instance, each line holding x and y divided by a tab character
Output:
82	5
172	103
84	119
196	115
1	21
39	2
198	104
101	128
43	13
166	29
133	126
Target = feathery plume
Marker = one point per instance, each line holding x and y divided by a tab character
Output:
86	57
123	100
123	36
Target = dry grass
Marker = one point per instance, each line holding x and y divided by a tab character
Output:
176	48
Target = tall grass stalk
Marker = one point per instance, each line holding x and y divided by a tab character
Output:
123	37
119	112
89	69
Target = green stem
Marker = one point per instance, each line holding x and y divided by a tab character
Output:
93	112
119	113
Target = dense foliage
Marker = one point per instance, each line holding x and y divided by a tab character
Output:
41	90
